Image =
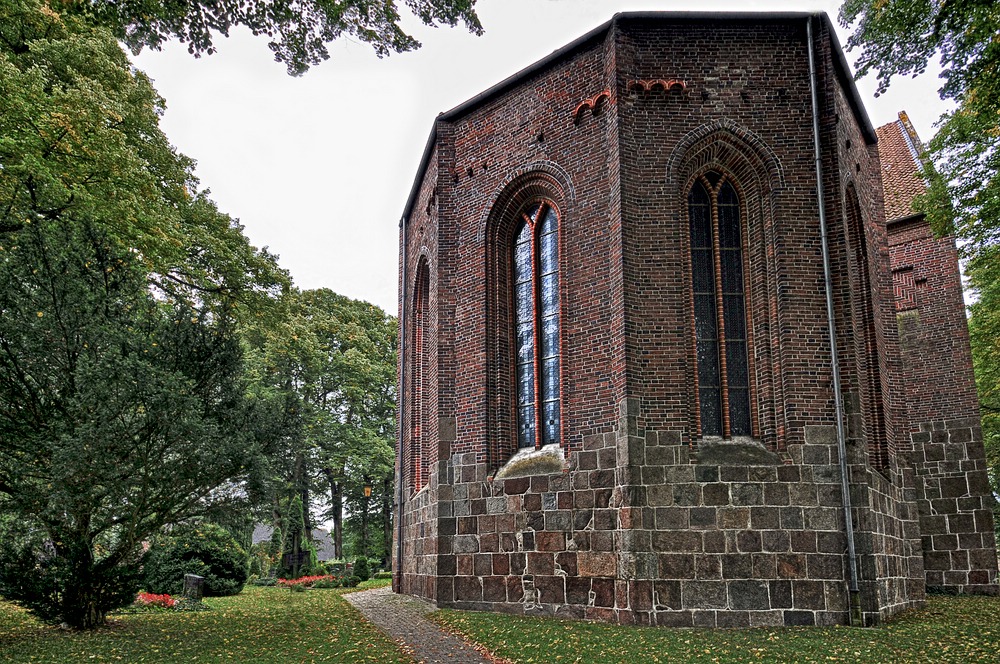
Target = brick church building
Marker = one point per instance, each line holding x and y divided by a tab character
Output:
662	300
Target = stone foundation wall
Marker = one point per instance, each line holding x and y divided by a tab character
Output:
955	503
420	537
640	529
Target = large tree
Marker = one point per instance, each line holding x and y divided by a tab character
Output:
123	404
299	31
331	360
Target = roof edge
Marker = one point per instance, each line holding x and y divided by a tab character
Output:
843	70
841	67
899	221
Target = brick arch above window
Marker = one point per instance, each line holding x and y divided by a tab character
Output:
540	179
725	142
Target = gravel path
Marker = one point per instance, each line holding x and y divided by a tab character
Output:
403	618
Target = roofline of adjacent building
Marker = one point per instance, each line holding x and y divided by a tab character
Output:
841	66
899	221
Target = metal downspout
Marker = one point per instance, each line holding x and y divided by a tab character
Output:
852	558
401	480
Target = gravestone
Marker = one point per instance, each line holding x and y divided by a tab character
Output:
194	586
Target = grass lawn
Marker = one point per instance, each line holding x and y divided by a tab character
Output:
259	625
950	629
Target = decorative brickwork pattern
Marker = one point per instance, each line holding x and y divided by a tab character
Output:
636	516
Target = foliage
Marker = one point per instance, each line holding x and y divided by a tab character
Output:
362	569
320	581
204	549
298	31
46	578
900	37
296	543
331	361
304	581
983	272
260	625
264	559
123	400
950	629
263	581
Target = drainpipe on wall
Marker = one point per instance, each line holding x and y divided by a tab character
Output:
845	487
401	480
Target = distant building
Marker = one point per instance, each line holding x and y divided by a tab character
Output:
321	538
618	392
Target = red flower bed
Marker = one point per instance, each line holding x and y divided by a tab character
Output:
149	599
304	580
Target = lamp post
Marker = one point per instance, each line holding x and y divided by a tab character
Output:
364	517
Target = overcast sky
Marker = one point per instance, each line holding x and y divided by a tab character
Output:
318	167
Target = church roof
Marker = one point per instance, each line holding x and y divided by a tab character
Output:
899	150
841	67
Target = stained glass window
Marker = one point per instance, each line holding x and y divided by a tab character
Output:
718	288
536	323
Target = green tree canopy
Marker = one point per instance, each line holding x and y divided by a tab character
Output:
901	37
299	31
331	361
123	398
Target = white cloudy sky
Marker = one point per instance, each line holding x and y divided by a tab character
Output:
318	167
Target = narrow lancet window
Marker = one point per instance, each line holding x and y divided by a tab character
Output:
536	322
719	307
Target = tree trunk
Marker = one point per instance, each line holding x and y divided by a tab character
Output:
364	525
337	510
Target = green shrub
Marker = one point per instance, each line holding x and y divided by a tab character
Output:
362	569
265	581
351	581
203	549
32	575
383	575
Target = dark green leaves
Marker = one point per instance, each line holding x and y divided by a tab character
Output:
298	31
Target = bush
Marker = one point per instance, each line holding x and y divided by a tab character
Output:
362	570
351	581
383	575
265	581
203	549
32	575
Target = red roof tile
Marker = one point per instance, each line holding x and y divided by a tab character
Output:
899	148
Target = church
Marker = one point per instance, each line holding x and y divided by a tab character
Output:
674	348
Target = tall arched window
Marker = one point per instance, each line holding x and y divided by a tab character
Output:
419	462
865	335
720	324
535	273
